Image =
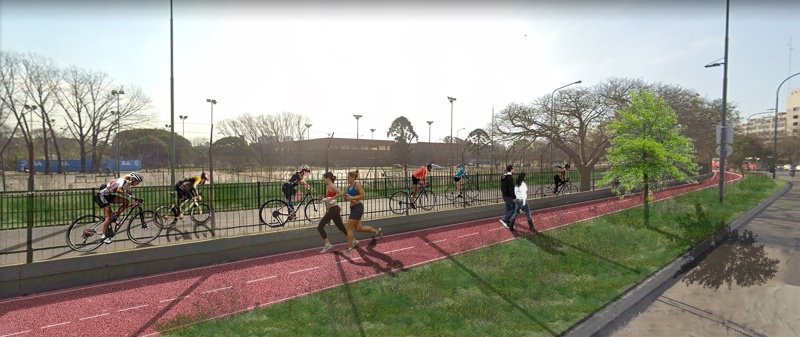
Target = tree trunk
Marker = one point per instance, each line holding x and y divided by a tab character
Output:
586	177
646	202
46	152
58	151
83	156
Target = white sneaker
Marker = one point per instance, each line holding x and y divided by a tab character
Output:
107	240
355	243
349	250
326	248
504	224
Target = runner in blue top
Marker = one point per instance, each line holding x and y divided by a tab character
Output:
462	173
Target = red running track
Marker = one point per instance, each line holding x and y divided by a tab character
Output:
132	307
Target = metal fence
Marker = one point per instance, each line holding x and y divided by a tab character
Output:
33	225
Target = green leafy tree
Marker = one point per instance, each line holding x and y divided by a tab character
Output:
478	142
745	149
403	134
233	152
646	147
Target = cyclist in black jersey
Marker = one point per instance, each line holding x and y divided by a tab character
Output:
561	178
187	189
290	187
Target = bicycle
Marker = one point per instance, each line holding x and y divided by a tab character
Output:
545	191
167	216
468	192
276	212
82	234
399	202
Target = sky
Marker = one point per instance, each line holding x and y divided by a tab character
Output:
385	59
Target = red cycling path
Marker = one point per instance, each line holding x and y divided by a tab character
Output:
132	307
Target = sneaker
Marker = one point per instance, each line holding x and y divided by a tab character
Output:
413	206
380	233
504	224
355	242
107	240
180	216
326	248
348	250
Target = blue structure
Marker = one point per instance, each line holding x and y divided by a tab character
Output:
75	165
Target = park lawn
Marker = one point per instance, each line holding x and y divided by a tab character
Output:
534	286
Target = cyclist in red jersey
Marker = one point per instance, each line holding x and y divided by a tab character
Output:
420	175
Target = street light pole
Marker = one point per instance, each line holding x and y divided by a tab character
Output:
308	131
775	127
429	131
211	160
117	93
452	154
373	133
723	115
553	110
183	134
172	105
357	118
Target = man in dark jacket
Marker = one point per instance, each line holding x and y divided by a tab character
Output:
507	187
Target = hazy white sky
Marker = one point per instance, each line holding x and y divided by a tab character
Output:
404	58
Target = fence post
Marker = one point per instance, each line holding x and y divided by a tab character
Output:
258	193
29	245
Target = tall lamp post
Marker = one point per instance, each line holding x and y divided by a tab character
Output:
211	160
183	134
452	154
116	164
553	109
373	133
775	127
308	136
429	130
723	115
357	118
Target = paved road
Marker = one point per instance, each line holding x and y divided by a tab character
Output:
744	287
132	307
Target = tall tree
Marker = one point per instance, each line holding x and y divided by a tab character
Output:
278	129
646	147
40	80
478	142
403	133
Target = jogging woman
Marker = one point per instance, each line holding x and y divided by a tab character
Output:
334	211
355	195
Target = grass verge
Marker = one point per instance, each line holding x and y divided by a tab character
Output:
533	286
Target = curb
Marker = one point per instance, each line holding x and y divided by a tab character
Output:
656	283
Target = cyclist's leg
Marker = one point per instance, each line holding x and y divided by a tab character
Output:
108	231
105	206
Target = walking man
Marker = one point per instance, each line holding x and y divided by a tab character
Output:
507	187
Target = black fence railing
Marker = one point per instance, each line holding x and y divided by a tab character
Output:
33	225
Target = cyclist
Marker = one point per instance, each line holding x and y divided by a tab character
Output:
420	175
462	173
187	189
290	187
561	178
791	171
105	197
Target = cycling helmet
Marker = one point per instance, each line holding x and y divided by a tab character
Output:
203	176
135	176
566	165
305	168
430	167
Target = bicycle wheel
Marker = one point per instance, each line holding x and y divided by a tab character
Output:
164	217
140	227
314	211
451	193
84	233
470	193
274	213
567	189
542	192
201	213
426	200
398	202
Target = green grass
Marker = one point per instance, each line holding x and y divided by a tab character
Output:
534	286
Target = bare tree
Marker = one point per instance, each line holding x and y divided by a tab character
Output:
41	79
278	129
12	98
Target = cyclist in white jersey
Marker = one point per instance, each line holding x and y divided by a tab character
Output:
106	196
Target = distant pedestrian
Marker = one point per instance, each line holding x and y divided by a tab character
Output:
355	194
521	202
507	188
334	211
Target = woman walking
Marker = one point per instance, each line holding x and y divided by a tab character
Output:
355	195
521	201
334	211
